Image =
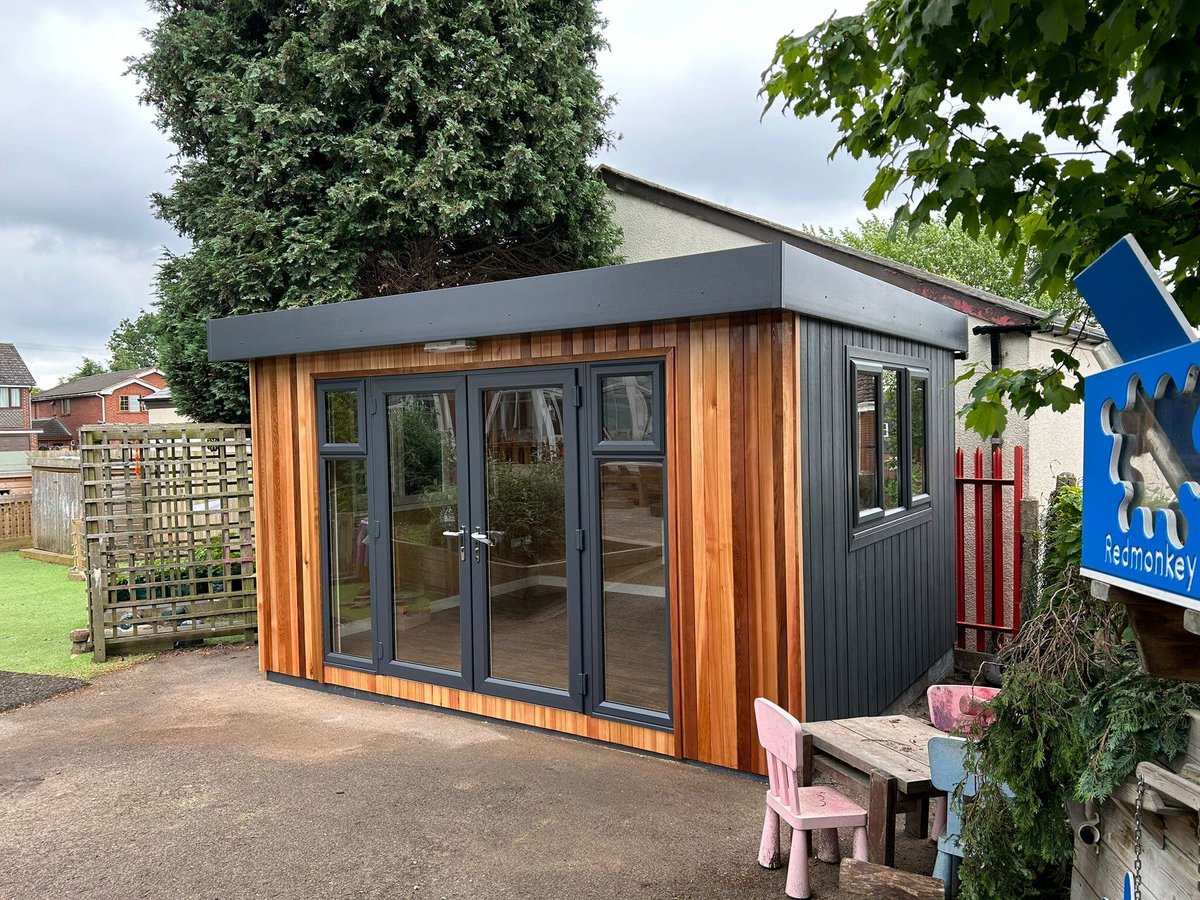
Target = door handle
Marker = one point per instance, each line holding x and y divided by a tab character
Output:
461	534
482	538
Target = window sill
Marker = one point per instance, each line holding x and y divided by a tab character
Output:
889	526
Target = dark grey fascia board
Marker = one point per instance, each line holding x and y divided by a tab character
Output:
745	279
726	281
816	287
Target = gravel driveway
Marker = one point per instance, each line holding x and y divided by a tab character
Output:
192	776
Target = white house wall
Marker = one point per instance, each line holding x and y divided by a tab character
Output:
655	232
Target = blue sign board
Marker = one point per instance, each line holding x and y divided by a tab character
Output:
1141	456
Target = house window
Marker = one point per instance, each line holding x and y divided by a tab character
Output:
889	397
65	406
130	403
10	397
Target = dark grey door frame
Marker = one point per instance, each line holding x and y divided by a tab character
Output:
378	488
564	377
583	453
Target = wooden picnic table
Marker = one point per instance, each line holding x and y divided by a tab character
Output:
890	755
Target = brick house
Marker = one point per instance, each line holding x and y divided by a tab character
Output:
113	397
17	432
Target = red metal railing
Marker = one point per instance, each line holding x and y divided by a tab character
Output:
989	614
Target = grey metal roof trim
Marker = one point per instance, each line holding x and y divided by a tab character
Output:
903	275
747	279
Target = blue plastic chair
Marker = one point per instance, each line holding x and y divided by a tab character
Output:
947	770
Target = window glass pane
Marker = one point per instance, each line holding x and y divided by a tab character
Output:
341	417
423	485
349	576
628	407
890	435
636	641
866	390
918	436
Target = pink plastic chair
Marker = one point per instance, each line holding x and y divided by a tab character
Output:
957	708
805	808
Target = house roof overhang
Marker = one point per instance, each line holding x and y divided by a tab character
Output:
975	302
746	279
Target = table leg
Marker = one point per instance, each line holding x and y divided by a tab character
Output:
881	819
916	821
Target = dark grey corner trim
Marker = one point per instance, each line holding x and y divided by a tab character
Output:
726	281
813	286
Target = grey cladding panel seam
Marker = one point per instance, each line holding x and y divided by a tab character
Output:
878	617
746	279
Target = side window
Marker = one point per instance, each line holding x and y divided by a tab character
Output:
345	523
888	409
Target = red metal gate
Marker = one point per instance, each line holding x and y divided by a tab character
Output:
997	606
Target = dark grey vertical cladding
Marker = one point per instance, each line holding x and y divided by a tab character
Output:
877	616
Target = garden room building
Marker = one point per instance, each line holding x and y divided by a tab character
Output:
618	503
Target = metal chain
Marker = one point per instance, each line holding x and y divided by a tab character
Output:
1137	838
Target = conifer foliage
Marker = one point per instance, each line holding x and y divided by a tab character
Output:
356	148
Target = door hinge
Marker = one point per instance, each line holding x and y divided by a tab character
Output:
578	395
578	538
581	683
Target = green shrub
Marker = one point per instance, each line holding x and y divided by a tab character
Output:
1075	717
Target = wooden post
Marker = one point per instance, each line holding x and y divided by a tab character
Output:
881	818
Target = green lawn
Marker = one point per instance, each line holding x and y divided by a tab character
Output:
39	606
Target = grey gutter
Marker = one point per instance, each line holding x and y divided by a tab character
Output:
746	279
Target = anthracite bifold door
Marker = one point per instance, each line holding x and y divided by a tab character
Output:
502	532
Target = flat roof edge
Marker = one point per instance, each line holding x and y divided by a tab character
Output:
814	287
726	281
746	279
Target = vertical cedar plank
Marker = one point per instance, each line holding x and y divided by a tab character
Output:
262	516
739	474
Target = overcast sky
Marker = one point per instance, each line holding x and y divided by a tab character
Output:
79	156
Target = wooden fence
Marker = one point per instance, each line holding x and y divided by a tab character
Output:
15	521
169	534
57	500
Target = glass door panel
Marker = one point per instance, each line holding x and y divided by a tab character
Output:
524	512
425	620
633	567
348	558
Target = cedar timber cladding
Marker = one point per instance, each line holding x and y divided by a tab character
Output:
733	523
886	608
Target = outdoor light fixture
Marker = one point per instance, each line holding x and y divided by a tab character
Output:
460	346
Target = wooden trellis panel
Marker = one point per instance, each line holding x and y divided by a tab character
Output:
169	533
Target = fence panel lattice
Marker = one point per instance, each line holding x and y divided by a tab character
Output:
169	534
15	521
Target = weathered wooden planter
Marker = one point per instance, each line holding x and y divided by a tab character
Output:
629	500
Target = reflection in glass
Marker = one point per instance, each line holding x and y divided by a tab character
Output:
423	487
341	417
866	391
350	577
628	402
890	433
918	436
636	643
526	522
